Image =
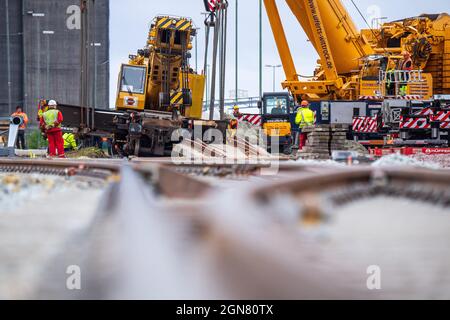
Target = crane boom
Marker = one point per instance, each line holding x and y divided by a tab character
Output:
328	19
281	40
322	21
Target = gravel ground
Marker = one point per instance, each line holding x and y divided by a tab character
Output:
400	160
443	160
38	214
419	160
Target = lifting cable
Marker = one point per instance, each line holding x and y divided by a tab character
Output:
223	59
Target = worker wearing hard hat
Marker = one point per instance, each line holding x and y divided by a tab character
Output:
20	143
304	118
236	113
51	125
70	143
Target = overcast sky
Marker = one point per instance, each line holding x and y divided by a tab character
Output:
130	21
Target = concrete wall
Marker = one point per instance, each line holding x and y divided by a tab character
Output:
51	62
14	76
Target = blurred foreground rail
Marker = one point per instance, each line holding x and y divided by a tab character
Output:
161	232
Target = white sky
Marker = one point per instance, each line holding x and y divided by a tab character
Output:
130	21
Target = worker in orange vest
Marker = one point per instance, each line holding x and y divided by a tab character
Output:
20	143
406	64
51	124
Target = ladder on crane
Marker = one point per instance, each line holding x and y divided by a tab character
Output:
396	82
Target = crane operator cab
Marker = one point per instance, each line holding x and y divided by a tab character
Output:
276	115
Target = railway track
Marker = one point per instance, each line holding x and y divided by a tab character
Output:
101	170
304	238
160	232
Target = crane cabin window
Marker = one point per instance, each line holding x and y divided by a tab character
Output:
133	79
276	105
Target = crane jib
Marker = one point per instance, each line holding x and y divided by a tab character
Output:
320	34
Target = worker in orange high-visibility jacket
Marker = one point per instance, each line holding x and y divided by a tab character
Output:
406	64
20	143
51	124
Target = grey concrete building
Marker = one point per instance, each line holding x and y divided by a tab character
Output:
40	50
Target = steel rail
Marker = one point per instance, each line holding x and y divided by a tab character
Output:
280	243
60	167
135	242
383	180
144	248
169	182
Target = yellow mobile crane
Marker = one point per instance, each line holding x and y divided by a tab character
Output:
362	79
158	89
158	94
159	77
354	63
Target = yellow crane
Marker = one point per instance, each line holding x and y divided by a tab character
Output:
159	91
354	63
159	77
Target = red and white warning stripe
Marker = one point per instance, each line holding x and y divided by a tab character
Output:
410	97
424	112
365	124
443	116
414	123
417	123
212	5
254	119
370	97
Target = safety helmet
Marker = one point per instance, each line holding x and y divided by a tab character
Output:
52	103
305	103
235	108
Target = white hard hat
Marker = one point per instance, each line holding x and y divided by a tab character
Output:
52	103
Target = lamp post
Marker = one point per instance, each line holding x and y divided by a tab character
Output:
274	67
207	86
260	49
95	45
197	30
237	52
38	49
48	33
8	56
